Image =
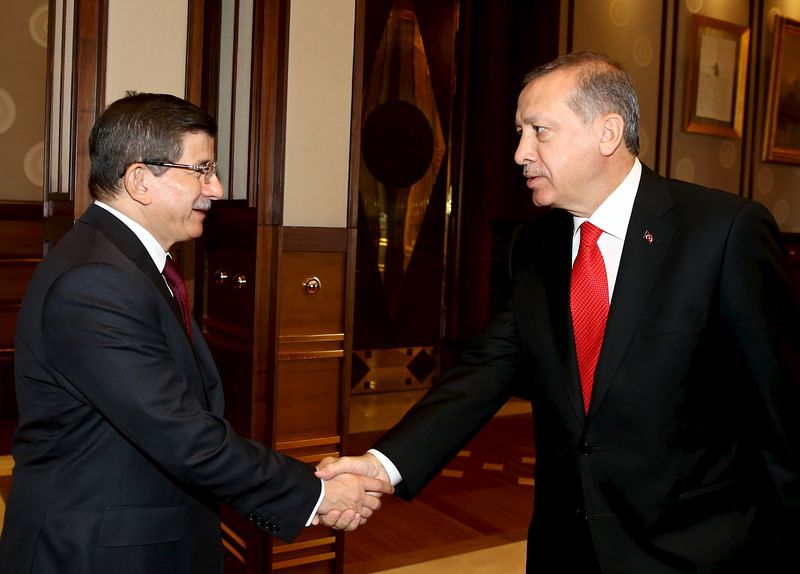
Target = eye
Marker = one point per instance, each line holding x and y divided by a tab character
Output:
208	170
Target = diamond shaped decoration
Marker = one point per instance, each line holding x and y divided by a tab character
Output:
422	365
358	371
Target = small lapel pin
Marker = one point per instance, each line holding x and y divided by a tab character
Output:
648	237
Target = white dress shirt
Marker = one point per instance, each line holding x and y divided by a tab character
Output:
612	216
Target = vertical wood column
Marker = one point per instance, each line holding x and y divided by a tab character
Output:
314	314
275	282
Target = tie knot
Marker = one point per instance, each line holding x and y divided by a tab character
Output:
590	233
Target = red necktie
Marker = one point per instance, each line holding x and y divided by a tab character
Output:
175	282
589	304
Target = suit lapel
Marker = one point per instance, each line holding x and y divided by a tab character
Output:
558	285
551	269
646	244
126	241
131	247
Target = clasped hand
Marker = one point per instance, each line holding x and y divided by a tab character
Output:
353	487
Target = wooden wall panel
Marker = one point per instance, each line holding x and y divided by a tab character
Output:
304	313
16	274
314	314
20	253
309	392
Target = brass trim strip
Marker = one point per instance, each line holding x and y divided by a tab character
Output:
233	551
302	561
290	339
233	535
309	458
306	443
333	354
303	545
20	262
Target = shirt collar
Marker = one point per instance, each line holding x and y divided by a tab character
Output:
614	214
157	254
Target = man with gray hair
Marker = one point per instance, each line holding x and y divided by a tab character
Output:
652	324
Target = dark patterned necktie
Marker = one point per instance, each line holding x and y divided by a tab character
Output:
589	305
175	282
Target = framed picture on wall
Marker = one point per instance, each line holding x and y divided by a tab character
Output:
717	77
782	127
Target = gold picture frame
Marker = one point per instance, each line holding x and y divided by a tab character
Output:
782	127
717	77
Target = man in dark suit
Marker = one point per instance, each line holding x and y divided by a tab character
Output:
122	454
682	453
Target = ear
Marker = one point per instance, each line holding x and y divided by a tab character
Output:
611	135
135	181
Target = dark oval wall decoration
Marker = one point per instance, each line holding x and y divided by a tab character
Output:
397	143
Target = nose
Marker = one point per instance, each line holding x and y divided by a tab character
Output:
214	189
525	152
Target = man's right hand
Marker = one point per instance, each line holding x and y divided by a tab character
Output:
350	499
365	465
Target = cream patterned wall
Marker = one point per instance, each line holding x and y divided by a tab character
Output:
23	61
709	160
628	31
775	185
657	56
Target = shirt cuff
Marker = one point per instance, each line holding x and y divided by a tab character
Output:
388	465
321	496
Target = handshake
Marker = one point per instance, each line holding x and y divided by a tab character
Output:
353	487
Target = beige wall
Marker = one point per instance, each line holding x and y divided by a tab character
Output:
319	90
146	47
23	60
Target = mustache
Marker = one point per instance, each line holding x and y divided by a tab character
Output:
202	204
528	170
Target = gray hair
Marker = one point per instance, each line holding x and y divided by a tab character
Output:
603	86
140	127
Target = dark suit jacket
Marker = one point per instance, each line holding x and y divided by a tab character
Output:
122	452
689	458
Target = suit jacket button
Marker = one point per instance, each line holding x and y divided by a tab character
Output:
586	449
